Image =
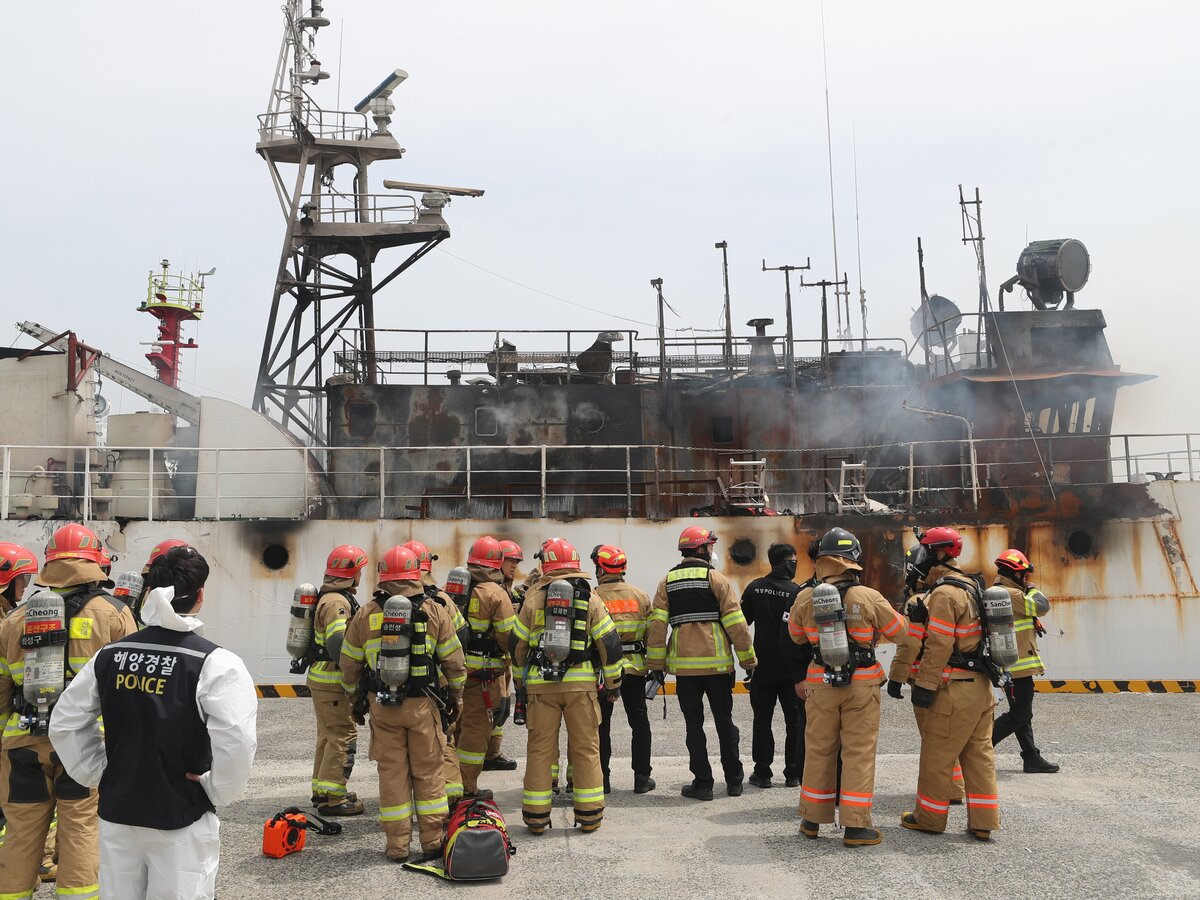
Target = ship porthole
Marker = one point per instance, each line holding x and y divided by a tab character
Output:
1080	543
743	552
275	557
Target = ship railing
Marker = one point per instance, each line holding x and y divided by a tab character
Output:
322	124
337	208
427	355
535	481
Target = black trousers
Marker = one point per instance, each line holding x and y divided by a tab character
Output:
691	691
633	696
765	694
1019	718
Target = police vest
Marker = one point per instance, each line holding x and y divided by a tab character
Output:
153	733
690	597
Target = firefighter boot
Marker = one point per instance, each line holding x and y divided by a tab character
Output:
499	763
809	829
862	837
909	821
341	806
1035	765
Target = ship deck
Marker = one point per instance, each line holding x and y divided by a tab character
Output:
1118	821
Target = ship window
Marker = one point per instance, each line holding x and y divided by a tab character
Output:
486	422
361	419
722	429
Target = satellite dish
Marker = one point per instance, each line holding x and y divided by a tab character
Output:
1048	269
942	318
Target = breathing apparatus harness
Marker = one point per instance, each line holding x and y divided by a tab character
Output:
564	641
978	660
860	656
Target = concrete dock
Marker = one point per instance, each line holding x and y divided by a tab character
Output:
1118	821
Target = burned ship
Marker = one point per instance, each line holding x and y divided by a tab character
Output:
997	422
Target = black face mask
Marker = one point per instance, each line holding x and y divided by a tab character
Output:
786	569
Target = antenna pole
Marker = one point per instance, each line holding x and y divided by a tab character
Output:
657	284
862	294
926	312
723	246
972	227
789	354
832	204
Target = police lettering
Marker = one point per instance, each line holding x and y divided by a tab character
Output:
145	683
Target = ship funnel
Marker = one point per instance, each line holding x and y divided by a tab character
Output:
762	348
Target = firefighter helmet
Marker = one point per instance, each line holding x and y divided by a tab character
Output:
400	564
558	553
694	537
511	550
1014	561
424	557
159	549
345	561
943	538
839	542
485	552
609	559
75	542
15	560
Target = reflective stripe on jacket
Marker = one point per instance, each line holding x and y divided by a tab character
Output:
1024	607
701	643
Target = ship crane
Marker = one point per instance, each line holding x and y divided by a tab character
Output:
165	396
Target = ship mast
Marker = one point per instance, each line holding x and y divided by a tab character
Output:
317	297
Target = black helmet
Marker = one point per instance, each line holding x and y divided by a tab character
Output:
839	542
917	563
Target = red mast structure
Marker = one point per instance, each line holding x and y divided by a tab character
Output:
173	300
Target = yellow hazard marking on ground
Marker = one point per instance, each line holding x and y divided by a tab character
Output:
1043	685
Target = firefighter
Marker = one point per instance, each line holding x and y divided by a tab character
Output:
337	733
953	699
410	710
490	618
1013	569
31	778
17	567
842	620
629	608
494	760
179	740
552	657
707	629
454	788
906	662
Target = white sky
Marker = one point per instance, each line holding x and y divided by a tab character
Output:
617	142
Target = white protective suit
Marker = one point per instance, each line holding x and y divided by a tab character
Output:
145	862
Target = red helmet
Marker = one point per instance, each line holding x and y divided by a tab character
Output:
159	549
345	561
76	542
1015	561
423	555
15	560
942	538
511	550
557	553
694	537
485	552
400	564
610	559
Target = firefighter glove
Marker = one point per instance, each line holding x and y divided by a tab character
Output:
922	697
612	695
917	612
894	691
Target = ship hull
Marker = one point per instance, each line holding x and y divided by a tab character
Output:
1126	609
